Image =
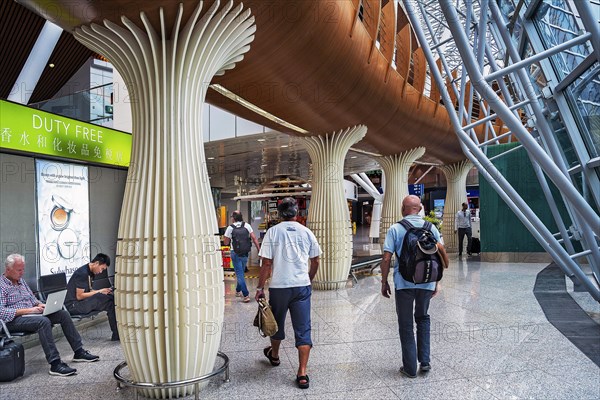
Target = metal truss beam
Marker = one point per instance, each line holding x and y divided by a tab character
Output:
545	155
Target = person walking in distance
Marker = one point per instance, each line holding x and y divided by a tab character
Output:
291	252
462	225
411	298
241	237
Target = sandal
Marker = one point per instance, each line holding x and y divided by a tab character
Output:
302	381
273	360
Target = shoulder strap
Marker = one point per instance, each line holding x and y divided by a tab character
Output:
232	226
242	225
427	225
407	225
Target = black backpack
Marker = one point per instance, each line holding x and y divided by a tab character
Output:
419	260
240	237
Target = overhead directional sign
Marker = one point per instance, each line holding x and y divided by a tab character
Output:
417	189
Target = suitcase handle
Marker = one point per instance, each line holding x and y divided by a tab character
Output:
4	341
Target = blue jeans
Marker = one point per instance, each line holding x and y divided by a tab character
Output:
297	300
405	298
239	266
43	326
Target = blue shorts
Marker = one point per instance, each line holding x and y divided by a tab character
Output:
297	300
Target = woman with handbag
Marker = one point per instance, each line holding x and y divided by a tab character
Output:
286	250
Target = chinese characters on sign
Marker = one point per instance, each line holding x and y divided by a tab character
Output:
30	130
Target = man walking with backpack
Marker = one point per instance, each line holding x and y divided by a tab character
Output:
420	258
241	237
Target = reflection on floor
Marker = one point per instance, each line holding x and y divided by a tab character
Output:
490	340
363	244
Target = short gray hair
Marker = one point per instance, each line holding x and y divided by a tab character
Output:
12	259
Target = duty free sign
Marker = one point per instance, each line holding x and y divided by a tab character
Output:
39	132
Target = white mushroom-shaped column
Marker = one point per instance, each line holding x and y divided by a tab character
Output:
170	293
328	215
395	168
456	194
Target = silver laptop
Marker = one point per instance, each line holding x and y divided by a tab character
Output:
54	303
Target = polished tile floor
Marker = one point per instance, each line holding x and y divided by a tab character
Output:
490	340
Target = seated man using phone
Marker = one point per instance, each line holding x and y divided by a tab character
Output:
83	299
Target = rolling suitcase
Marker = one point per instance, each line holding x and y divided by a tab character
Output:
475	245
12	360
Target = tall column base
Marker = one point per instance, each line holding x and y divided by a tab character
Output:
456	194
328	215
396	187
170	294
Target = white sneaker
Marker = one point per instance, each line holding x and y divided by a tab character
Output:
238	294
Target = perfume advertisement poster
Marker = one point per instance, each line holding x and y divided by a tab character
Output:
63	216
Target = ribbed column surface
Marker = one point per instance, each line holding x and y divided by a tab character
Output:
395	168
170	294
456	194
328	215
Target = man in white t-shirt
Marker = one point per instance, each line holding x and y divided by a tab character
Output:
462	225
241	236
287	250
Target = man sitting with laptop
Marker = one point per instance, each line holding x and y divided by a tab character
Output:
17	301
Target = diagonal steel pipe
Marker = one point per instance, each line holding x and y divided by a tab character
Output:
495	178
478	80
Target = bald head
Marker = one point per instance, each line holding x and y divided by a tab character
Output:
411	205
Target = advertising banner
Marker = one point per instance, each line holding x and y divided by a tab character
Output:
39	132
63	216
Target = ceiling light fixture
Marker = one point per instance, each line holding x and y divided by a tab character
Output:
210	158
232	96
51	65
284	145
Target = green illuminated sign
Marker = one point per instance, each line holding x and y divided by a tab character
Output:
34	131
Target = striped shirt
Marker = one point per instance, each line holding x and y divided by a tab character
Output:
14	297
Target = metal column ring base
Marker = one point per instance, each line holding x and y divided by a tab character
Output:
170	385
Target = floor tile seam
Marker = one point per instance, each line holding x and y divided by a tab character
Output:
354	390
495	374
483	388
509	326
484	297
423	382
531	370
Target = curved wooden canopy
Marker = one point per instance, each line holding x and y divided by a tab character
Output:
320	65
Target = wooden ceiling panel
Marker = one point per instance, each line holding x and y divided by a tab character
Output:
19	29
306	68
68	56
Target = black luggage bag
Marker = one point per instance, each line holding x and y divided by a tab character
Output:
12	360
475	245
